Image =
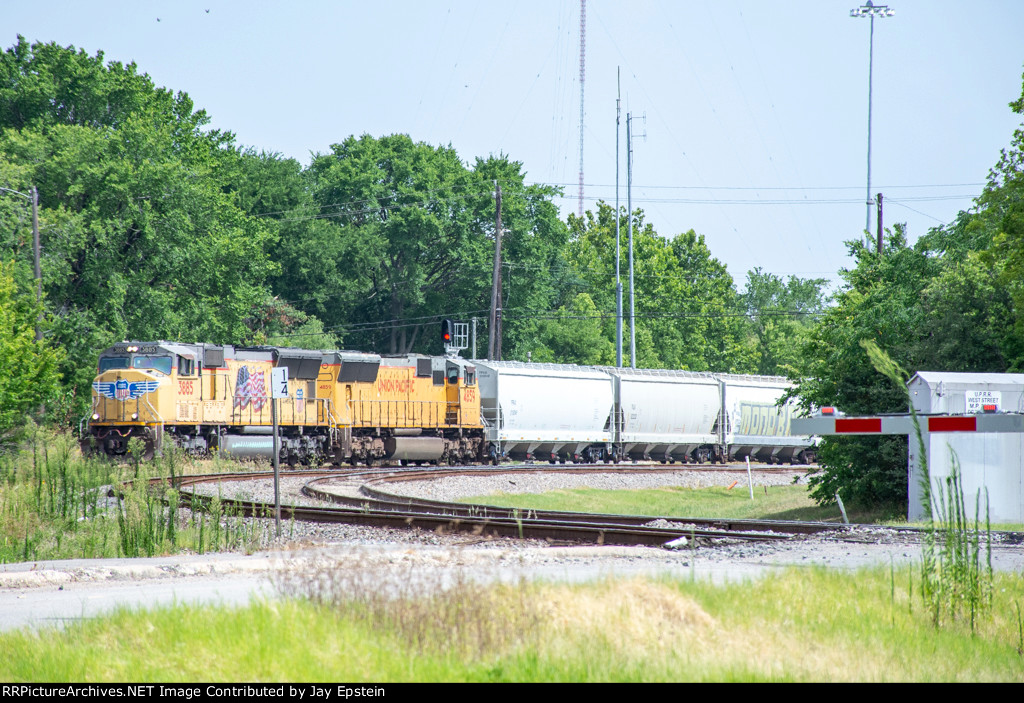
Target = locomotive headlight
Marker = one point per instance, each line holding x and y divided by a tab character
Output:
95	416
135	416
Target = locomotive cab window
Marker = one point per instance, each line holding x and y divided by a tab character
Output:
453	374
470	375
185	366
113	362
157	363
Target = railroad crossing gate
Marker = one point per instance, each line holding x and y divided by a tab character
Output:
974	419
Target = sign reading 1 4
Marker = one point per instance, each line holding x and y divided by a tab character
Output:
279	382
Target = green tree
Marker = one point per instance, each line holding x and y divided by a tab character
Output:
141	236
536	277
574	335
30	375
686	304
780	314
1001	215
401	206
404	232
880	302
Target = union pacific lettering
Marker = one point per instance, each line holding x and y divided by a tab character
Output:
393	385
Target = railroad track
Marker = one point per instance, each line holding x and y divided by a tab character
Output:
378	507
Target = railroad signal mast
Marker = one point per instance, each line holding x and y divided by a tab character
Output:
454	337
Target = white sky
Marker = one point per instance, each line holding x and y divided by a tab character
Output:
756	112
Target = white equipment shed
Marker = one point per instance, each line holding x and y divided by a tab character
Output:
991	463
975	419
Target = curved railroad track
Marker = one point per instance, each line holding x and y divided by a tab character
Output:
378	505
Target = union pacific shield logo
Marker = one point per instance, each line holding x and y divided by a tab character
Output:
124	390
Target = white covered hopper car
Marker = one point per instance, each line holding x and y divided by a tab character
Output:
561	412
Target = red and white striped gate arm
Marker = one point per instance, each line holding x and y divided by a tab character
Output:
904	424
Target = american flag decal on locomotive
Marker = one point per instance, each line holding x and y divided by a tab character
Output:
250	388
124	390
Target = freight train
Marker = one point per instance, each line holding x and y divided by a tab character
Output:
354	407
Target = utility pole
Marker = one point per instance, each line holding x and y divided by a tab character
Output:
629	206
34	199
618	247
38	269
494	329
878	199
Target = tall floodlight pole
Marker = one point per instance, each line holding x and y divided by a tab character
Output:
618	248
870	11
583	74
629	206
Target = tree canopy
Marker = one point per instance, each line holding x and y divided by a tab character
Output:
140	236
951	302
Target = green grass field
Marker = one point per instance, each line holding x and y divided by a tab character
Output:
340	625
790	502
799	625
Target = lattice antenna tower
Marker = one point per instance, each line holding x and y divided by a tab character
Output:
583	67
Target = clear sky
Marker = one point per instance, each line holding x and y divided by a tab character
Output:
756	112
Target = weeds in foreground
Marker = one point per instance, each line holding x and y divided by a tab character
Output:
437	610
56	504
955	583
794	625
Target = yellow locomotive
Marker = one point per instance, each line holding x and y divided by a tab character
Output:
342	406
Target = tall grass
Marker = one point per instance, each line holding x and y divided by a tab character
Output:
56	504
955	582
441	611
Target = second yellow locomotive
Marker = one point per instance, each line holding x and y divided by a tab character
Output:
343	407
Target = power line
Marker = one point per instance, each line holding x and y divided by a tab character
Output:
704	187
421	201
382	325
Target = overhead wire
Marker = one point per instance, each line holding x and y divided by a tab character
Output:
516	314
594	198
